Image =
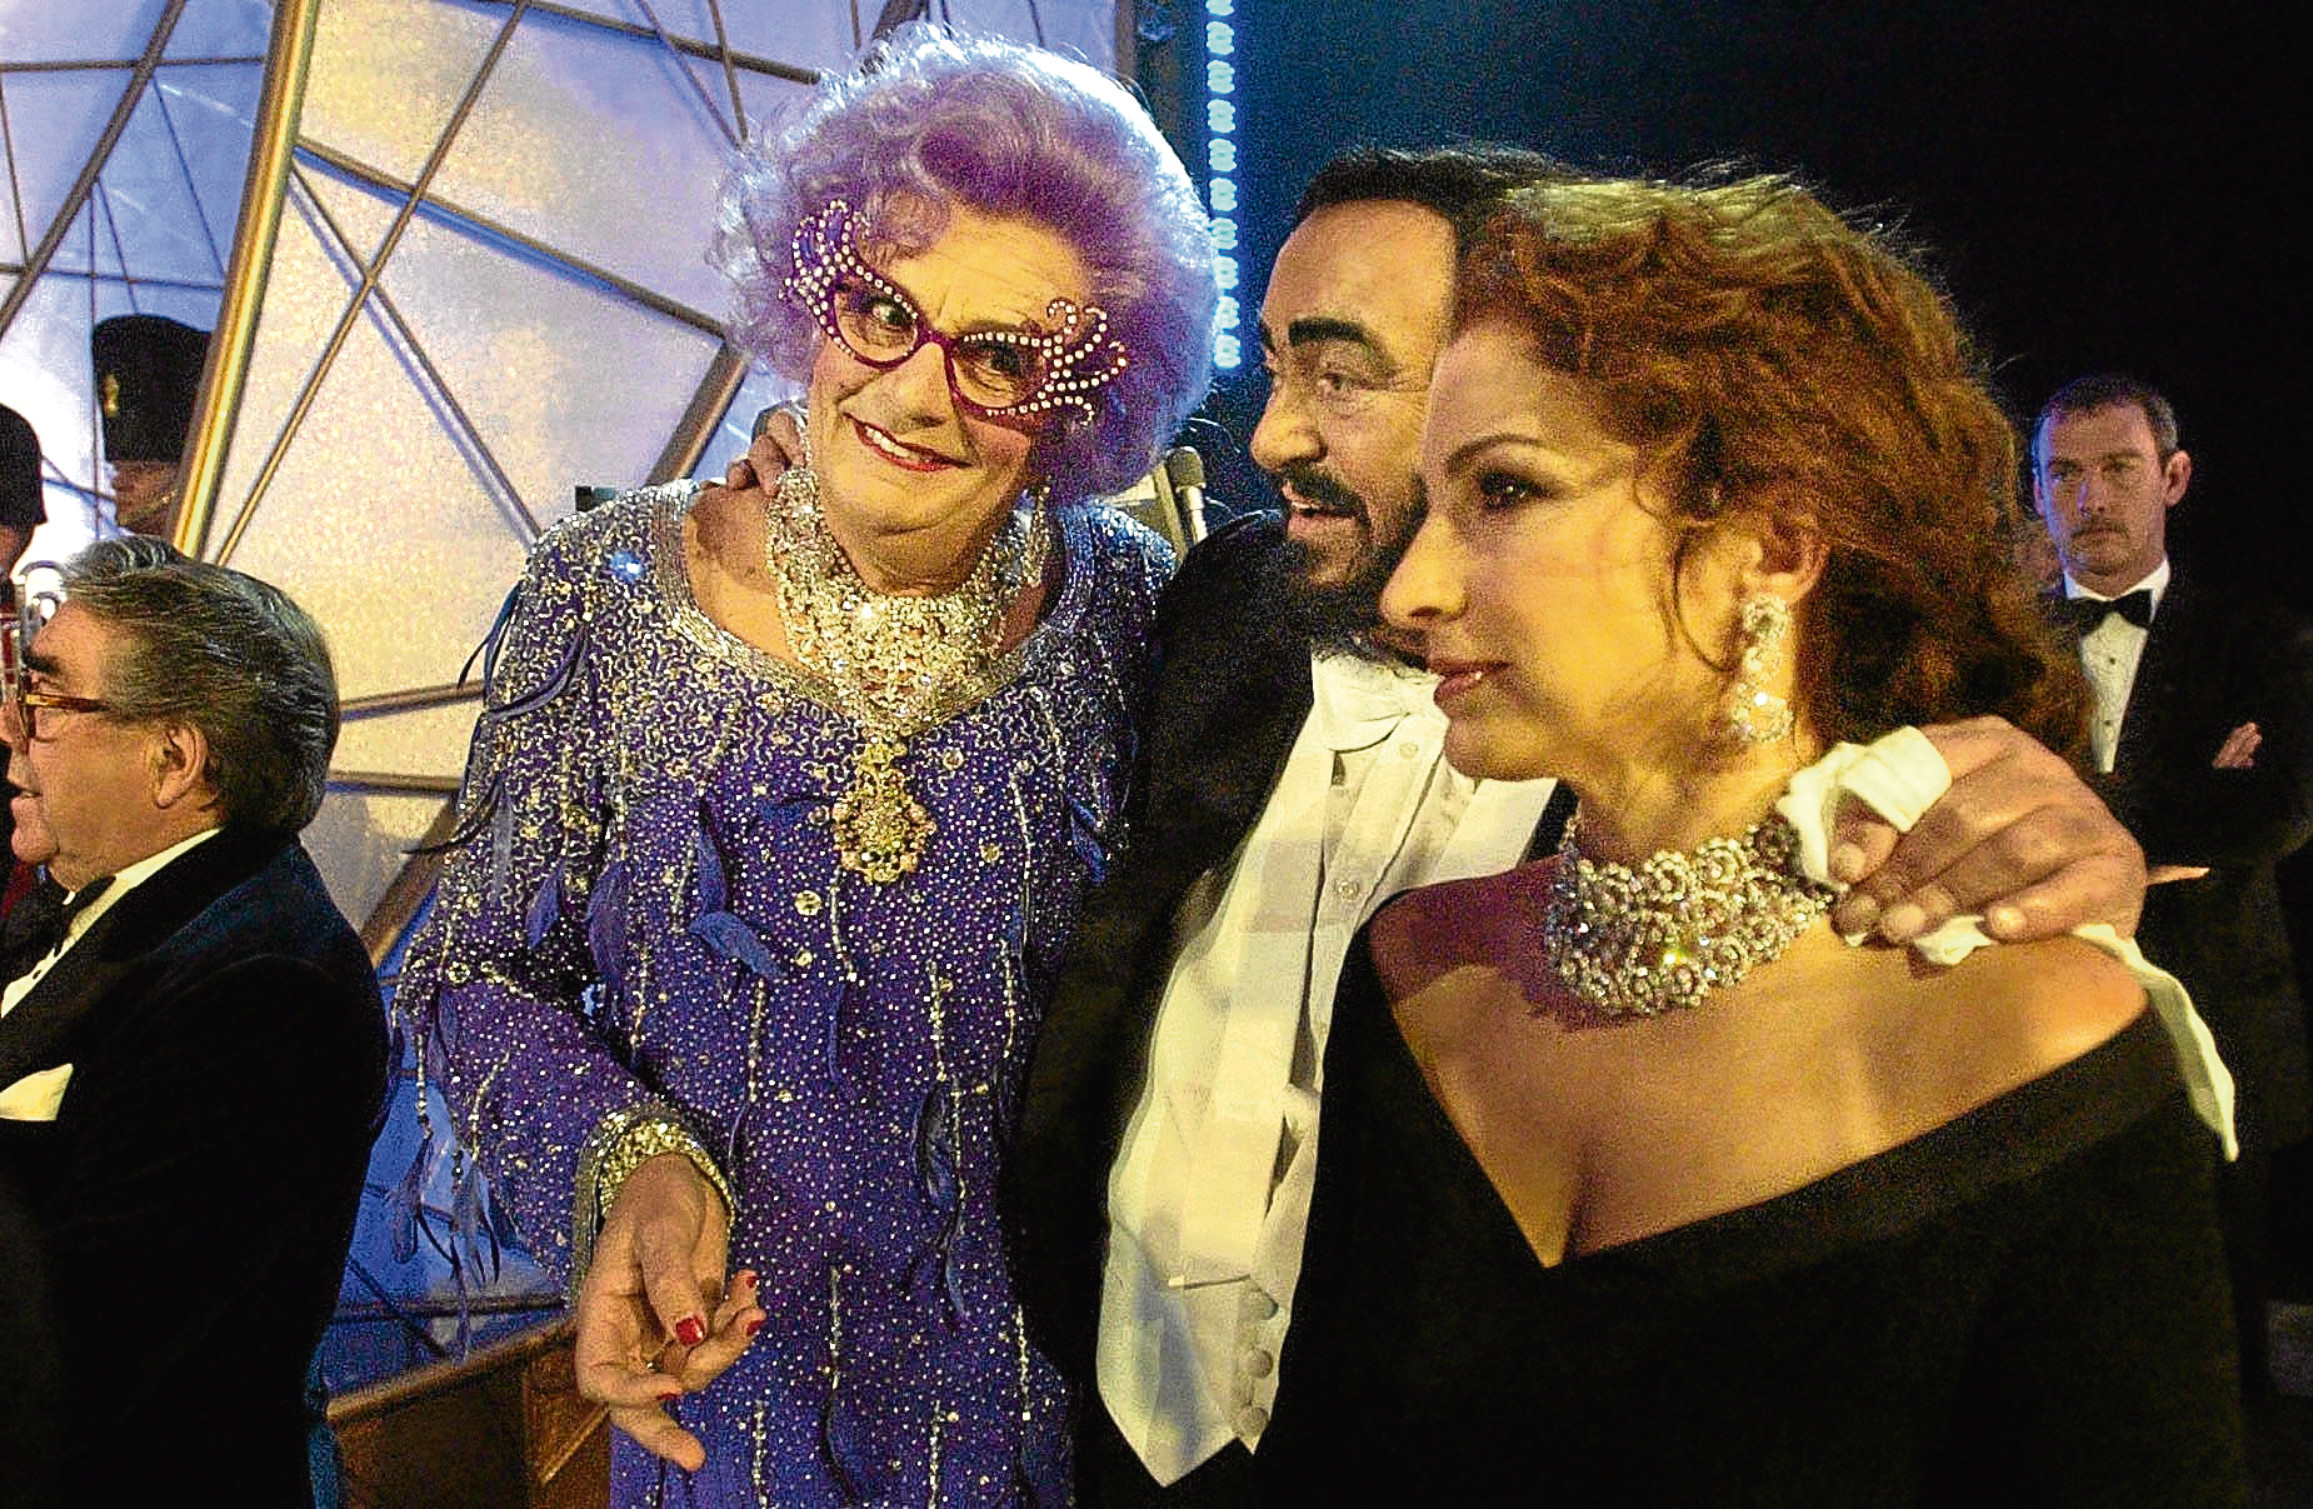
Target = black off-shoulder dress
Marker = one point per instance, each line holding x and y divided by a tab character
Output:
2024	1306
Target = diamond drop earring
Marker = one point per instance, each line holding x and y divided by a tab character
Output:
1757	715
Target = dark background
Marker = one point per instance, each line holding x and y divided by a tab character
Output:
2117	186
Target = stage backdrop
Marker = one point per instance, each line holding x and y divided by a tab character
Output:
487	289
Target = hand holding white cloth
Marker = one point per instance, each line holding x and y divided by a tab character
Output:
1900	777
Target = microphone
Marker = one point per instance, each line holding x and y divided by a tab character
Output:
1185	470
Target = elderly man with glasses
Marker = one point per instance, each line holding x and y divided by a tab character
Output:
193	1061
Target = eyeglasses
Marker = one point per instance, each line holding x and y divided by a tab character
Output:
996	374
28	703
17	628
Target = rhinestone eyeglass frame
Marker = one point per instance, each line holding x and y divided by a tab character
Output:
1079	356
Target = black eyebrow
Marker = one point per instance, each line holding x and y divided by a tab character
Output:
1315	329
34	660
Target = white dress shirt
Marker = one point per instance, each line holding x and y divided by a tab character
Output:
2110	653
1209	1197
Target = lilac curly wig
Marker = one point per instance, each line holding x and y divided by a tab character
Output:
929	120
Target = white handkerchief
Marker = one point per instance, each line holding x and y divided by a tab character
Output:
1899	777
36	1096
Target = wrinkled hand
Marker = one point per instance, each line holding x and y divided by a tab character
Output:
2239	751
655	1318
2019	839
778	445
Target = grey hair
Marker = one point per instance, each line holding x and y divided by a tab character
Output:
227	654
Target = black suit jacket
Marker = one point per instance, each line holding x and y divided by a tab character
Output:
1233	688
195	1194
2212	662
31	1421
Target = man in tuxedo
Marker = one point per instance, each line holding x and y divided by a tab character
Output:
2203	741
193	1064
1158	1189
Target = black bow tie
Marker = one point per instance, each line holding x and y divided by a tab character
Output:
2085	613
39	921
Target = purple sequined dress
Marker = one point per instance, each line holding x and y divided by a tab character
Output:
647	902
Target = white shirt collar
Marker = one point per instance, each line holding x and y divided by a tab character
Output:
2154	581
1357	702
129	877
124	880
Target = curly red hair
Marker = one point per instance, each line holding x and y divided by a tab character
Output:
1768	358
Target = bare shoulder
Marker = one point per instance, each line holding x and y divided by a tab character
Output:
2019	1010
1438	929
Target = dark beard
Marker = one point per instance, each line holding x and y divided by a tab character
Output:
1336	617
1340	617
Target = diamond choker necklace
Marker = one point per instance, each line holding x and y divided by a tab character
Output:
1637	941
896	665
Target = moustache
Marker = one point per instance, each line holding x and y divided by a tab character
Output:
1319	490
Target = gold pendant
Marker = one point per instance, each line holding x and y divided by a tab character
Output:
880	828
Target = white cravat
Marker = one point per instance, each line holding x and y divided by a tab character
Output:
1209	1198
2110	654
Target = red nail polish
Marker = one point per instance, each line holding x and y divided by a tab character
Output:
690	1330
753	1326
670	1396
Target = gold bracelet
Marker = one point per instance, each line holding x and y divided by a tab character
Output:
624	1141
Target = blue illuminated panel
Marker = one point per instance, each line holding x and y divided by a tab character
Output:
1220	180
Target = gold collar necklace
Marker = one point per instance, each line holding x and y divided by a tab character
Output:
897	665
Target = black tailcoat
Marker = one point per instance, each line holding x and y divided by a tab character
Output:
195	1194
1233	687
